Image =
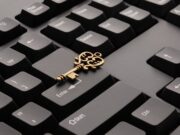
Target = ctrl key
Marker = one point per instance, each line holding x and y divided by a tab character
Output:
33	119
156	117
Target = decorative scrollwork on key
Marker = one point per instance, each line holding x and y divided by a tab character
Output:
89	60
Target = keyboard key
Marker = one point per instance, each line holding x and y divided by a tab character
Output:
156	117
157	7
176	131
23	87
34	15
32	119
7	106
110	7
66	98
34	46
171	92
88	16
93	42
124	128
9	29
84	121
167	60
139	19
11	62
118	32
63	29
174	16
7	130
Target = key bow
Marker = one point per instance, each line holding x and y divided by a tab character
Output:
89	60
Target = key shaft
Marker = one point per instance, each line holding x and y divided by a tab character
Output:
71	74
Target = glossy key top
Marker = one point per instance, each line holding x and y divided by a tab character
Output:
93	42
156	117
11	62
104	107
35	14
88	16
119	32
167	60
33	119
9	29
70	96
157	7
34	46
140	19
23	87
64	30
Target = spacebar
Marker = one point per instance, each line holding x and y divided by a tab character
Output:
99	110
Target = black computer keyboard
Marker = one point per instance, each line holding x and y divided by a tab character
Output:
135	92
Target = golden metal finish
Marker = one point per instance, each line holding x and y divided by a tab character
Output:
85	61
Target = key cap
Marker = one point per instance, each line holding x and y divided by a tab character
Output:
33	119
118	31
88	16
9	29
7	130
157	7
93	42
55	63
124	128
156	117
7	106
171	92
139	19
66	98
35	14
34	46
176	131
110	7
84	121
23	87
174	15
167	60
63	29
11	62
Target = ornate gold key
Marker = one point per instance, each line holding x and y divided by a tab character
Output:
85	61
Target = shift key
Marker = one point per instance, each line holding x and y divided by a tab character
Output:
99	110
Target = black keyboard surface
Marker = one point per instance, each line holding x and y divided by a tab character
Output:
137	90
